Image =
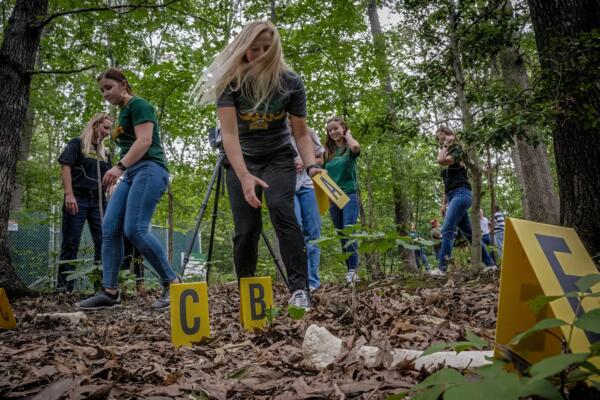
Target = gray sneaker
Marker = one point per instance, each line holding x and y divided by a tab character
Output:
300	299
164	300
100	301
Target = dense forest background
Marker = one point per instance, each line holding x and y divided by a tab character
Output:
396	70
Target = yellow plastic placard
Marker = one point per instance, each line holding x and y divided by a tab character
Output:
189	313
322	200
256	298
7	318
542	259
324	182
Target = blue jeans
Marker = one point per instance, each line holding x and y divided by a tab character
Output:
421	257
72	227
342	218
457	215
499	239
307	214
129	213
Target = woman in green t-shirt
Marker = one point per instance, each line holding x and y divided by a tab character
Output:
341	152
144	174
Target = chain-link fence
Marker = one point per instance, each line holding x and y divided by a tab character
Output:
35	244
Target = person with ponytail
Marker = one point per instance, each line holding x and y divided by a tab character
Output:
256	93
84	161
341	152
144	173
457	199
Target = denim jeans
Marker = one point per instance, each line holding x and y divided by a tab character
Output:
279	173
421	258
129	213
457	215
342	218
499	239
307	214
487	240
72	227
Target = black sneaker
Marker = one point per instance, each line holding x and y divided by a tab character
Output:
99	301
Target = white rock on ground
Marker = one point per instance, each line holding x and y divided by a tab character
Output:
73	318
320	349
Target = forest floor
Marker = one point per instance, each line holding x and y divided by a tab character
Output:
126	353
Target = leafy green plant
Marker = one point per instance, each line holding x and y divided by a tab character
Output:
295	313
550	378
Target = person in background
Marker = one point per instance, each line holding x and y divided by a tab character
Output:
499	229
84	161
341	152
134	201
420	255
436	235
484	224
256	94
457	199
307	210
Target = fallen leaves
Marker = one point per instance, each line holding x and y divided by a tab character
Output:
127	354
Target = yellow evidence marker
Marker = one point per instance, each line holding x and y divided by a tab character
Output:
326	188
189	313
542	259
7	318
256	298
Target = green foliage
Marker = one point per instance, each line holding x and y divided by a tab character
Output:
548	378
295	313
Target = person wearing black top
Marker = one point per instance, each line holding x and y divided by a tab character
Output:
457	199
84	161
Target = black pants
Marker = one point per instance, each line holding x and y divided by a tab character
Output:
278	172
72	226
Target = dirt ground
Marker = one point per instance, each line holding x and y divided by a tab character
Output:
127	353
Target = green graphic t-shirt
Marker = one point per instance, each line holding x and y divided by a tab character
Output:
266	131
342	169
136	112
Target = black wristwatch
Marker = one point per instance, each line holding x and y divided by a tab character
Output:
311	166
121	166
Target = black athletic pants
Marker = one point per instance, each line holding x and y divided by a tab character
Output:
278	172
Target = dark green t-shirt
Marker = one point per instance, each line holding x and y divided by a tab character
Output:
342	169
266	131
136	112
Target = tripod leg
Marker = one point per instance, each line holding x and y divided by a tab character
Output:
203	207
213	223
275	259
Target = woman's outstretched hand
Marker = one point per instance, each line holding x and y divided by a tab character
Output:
249	183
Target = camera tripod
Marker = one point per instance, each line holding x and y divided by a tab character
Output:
217	178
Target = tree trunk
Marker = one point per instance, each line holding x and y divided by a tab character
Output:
569	58
401	206
467	121
17	59
539	199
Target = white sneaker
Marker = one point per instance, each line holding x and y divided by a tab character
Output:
491	268
437	272
352	276
300	299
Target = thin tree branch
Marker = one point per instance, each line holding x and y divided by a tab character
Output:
128	7
61	71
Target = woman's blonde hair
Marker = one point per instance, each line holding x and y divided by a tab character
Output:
90	134
258	81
